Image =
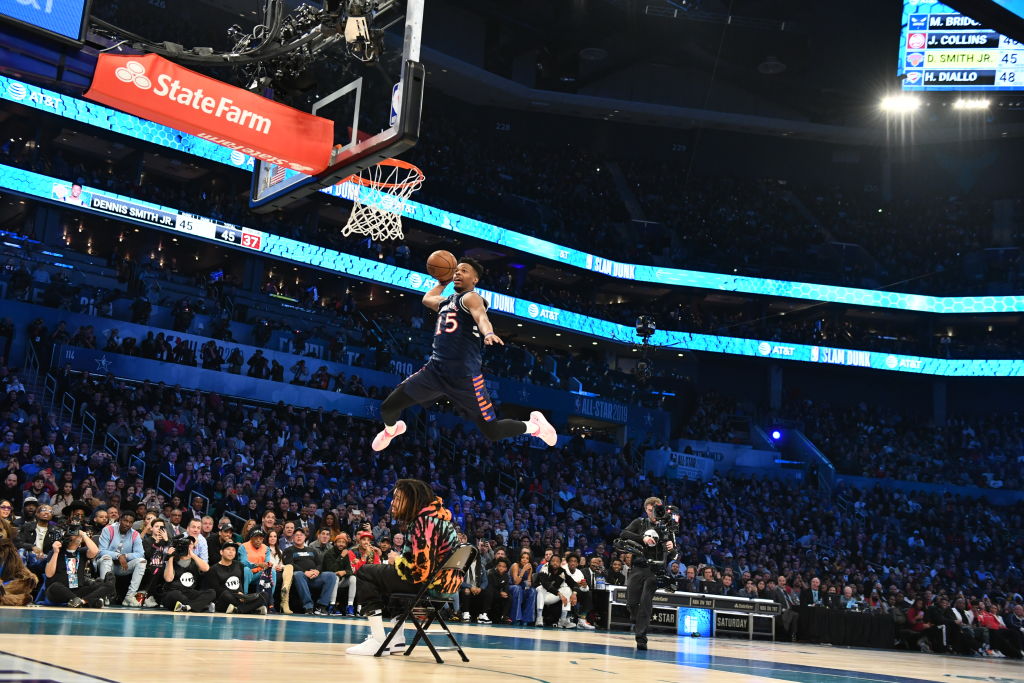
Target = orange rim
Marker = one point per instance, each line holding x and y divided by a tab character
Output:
397	163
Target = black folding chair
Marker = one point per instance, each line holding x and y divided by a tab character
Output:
424	608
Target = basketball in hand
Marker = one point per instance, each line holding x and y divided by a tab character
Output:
441	265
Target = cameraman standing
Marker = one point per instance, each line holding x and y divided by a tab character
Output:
640	582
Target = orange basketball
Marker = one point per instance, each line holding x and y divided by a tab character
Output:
441	265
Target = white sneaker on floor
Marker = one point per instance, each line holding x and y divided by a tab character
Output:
150	602
540	622
465	616
585	625
545	432
566	623
483	619
367	648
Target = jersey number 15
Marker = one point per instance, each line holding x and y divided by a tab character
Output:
448	323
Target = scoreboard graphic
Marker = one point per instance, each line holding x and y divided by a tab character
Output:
941	49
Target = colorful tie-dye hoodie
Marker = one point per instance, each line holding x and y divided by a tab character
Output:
432	540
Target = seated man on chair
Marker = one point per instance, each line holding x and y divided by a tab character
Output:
432	539
309	576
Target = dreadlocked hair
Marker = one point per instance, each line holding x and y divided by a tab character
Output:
417	495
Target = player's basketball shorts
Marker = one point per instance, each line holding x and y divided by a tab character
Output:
469	394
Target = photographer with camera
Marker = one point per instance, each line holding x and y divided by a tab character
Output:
649	539
181	573
66	581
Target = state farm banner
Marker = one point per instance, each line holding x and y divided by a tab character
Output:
156	89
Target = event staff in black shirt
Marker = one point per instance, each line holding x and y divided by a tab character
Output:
640	581
227	580
181	575
66	580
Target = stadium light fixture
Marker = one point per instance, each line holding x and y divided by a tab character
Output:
776	435
900	104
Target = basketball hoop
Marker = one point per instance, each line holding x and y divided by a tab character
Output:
391	183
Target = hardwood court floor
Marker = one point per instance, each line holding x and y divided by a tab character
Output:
81	646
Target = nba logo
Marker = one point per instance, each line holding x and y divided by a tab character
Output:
916	41
915	59
918	22
913	77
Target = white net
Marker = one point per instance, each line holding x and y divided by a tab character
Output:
378	207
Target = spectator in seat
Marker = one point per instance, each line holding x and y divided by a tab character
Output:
182	575
522	594
1008	641
555	586
615	577
727	587
473	593
497	589
323	540
228	581
432	540
175	526
255	556
195	530
584	597
308	576
34	538
153	545
336	561
708	584
225	534
121	552
813	596
66	580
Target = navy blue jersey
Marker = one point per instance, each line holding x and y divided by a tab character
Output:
458	344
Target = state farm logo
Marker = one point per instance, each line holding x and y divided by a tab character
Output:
171	88
133	72
533	310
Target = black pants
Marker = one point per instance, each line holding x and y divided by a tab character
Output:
375	582
499	606
640	587
244	603
60	594
584	603
1008	641
476	604
197	601
400	399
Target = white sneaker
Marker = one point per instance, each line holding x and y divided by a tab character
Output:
150	602
566	623
545	432
540	622
585	625
483	619
367	648
465	616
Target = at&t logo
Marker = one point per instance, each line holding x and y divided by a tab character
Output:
237	158
764	348
533	310
892	362
133	72
415	280
17	91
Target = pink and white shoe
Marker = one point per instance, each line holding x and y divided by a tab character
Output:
545	432
383	439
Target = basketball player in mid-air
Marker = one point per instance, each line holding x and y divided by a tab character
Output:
453	370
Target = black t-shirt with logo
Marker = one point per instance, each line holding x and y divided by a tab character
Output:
185	576
71	568
229	578
304	559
